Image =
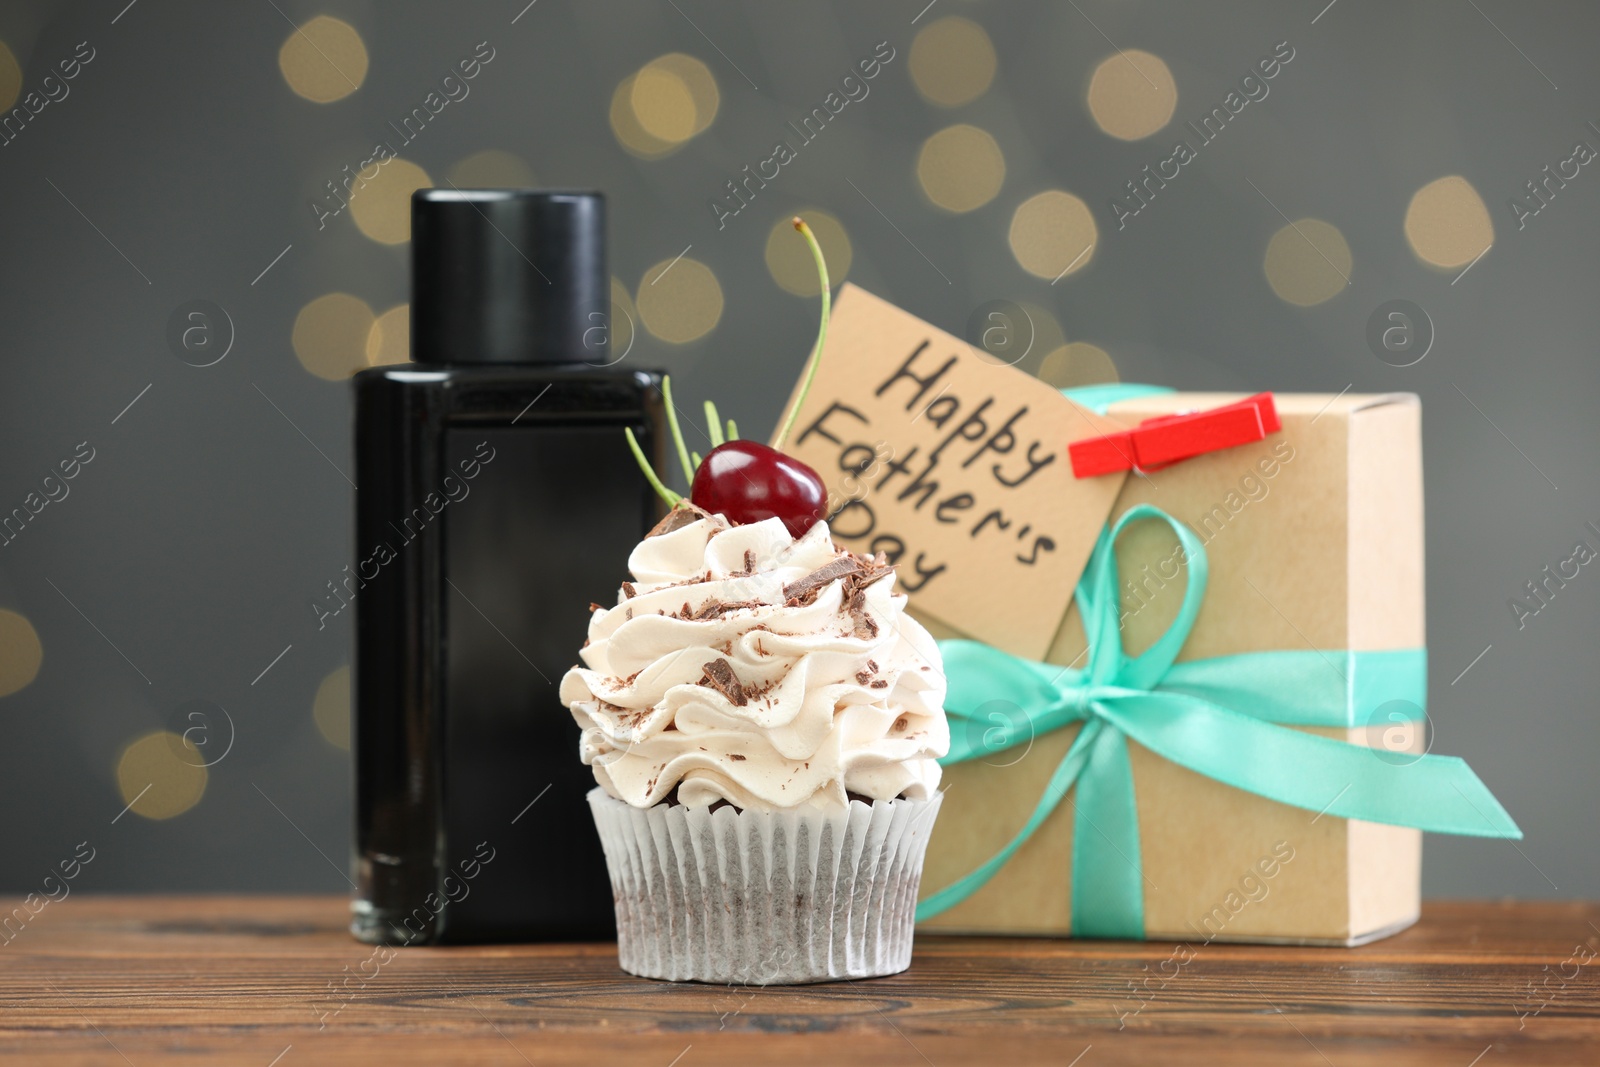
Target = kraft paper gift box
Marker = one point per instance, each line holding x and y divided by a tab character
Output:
1257	613
1314	541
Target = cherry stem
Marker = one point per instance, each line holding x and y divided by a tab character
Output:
733	431
677	434
649	472
713	425
822	332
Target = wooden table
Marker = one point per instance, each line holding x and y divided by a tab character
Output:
241	980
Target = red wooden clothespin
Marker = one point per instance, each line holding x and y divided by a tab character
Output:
1161	441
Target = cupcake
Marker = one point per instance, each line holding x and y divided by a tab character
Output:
764	722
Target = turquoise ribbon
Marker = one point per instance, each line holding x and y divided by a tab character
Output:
1099	398
1226	718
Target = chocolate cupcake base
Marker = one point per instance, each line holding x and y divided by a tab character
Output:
764	898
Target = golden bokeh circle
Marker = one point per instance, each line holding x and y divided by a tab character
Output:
331	708
1447	223
625	125
1308	262
662	105
952	61
961	168
330	335
20	652
789	256
1053	233
1132	95
10	78
674	97
161	775
491	169
1076	364
381	206
389	339
324	60
679	302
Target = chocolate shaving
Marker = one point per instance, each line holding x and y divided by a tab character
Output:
680	516
863	677
865	627
719	676
629	591
716	609
832	571
875	569
879	683
595	607
735	755
626	718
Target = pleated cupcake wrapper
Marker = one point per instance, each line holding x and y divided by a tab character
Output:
764	898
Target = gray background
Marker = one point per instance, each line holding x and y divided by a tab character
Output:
195	540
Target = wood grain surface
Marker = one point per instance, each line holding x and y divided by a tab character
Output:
277	982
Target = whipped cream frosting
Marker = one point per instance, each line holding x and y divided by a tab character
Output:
772	672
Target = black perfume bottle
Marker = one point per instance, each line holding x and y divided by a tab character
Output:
497	498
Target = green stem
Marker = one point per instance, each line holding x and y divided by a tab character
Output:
733	431
677	434
644	464
822	333
713	424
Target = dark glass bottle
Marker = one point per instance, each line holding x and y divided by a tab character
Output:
497	499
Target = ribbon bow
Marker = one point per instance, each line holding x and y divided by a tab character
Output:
1226	718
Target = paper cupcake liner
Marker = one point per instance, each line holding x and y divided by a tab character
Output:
764	898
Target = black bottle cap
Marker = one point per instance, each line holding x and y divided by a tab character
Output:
508	276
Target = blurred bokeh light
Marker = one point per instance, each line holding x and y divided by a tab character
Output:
1077	363
960	168
1053	234
952	61
10	78
1132	95
661	106
331	708
324	60
330	335
389	339
679	301
789	256
20	652
1308	262
161	774
381	205
1447	224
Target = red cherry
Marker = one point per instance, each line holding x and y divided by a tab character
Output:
746	481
